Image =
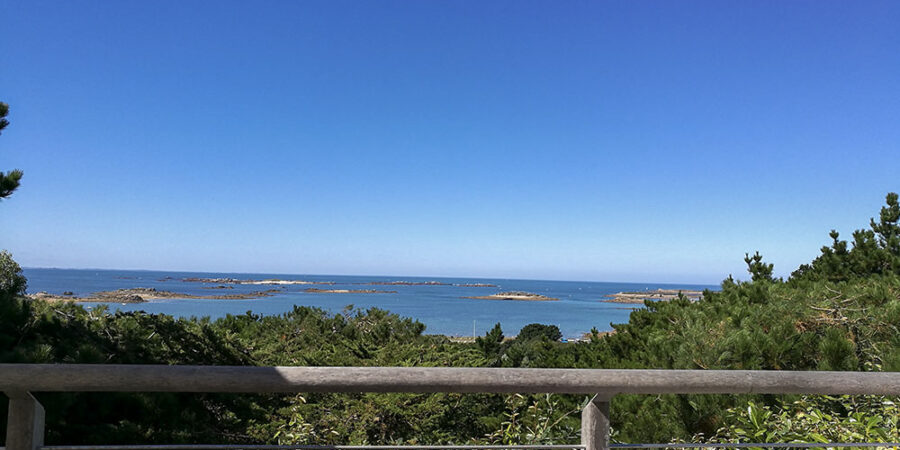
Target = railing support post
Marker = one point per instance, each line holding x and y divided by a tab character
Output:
24	422
595	424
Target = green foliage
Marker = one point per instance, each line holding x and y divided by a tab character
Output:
813	419
34	331
539	331
838	351
759	270
12	282
4	110
534	420
874	252
492	342
9	182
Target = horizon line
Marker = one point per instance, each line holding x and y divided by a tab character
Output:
373	275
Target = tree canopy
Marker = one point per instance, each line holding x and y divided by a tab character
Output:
9	181
875	251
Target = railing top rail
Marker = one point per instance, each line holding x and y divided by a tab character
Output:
157	378
313	447
670	445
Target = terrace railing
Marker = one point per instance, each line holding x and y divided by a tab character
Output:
25	424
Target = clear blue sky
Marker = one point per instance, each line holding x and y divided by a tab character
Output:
628	141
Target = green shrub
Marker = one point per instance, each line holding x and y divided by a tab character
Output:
813	419
12	282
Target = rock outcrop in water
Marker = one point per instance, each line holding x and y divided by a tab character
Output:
659	294
516	296
346	291
407	283
273	281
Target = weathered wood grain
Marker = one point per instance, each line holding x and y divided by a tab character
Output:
595	424
25	422
607	382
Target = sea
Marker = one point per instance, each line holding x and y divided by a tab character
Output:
442	308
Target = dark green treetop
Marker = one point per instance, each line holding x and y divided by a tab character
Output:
539	331
875	251
492	341
8	181
757	268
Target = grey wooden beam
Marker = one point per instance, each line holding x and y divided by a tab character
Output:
312	447
25	422
595	424
607	382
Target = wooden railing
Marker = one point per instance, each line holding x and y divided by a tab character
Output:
25	424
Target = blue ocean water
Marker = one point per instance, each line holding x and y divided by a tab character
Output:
440	308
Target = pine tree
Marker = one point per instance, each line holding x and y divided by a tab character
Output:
873	252
491	343
887	231
12	282
539	331
757	268
8	181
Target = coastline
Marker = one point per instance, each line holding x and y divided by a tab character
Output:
439	307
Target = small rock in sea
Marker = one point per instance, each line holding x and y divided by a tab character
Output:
68	293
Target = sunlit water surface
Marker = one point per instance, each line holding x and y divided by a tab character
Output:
441	308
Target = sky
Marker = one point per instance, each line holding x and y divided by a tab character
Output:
649	141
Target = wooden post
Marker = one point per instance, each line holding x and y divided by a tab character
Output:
24	423
595	424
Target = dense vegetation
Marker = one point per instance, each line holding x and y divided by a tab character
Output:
841	312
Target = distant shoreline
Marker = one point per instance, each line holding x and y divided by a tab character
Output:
712	284
141	295
440	307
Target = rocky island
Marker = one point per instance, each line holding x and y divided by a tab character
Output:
140	295
517	296
659	294
346	291
273	281
406	283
